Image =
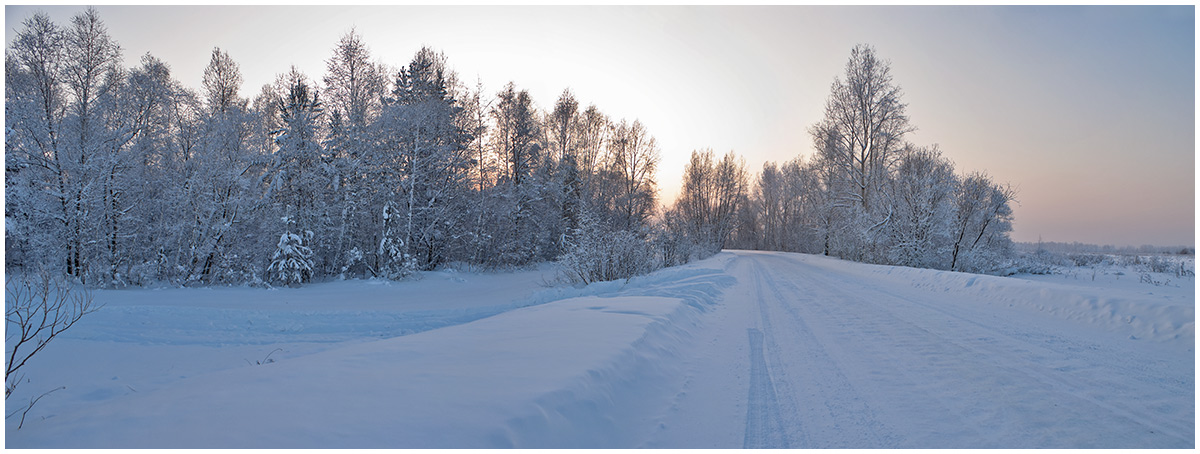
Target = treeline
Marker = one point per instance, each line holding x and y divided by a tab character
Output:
866	194
122	176
119	176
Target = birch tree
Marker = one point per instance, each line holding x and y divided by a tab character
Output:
711	197
863	128
422	125
215	174
355	86
634	156
38	205
858	141
516	132
91	58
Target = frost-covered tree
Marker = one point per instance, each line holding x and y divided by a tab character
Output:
569	198
770	196
222	80
299	172
864	126
90	72
516	134
355	86
165	119
291	264
216	174
805	203
517	204
474	119
421	131
562	126
136	121
591	134
38	205
710	197
633	162
921	199
858	141
981	224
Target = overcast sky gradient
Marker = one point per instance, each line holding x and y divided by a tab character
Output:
1088	111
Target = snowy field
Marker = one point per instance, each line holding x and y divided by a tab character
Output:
742	350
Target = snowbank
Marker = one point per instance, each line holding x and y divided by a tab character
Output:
1121	305
576	372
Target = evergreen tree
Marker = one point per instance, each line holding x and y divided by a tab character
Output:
291	264
299	173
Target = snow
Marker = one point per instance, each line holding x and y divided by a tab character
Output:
741	350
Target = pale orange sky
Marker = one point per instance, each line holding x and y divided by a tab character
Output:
1088	111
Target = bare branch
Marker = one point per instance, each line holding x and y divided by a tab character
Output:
39	308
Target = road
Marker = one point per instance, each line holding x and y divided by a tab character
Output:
801	355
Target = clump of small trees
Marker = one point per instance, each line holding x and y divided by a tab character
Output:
866	194
123	176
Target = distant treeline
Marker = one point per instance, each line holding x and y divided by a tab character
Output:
1084	248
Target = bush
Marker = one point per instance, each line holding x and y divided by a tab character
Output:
597	256
1029	264
1083	259
596	253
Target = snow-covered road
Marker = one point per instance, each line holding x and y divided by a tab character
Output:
742	350
831	359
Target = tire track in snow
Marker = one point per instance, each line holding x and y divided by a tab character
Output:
763	426
1072	370
1008	371
790	428
827	410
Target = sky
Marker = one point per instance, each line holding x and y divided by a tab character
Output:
1088	111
